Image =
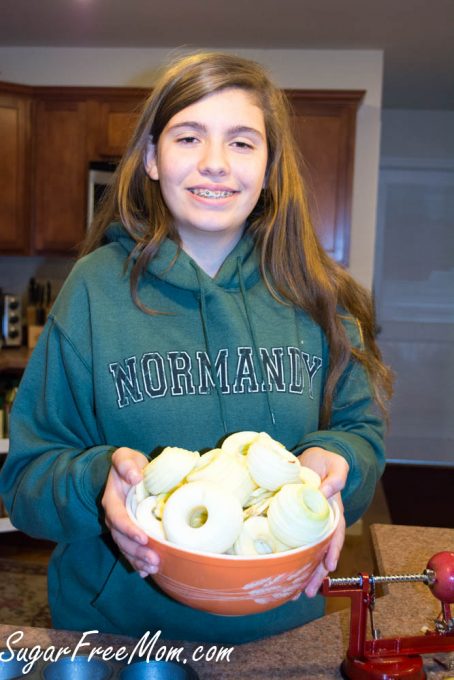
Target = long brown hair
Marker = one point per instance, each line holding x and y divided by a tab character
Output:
294	266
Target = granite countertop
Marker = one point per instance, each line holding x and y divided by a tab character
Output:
314	651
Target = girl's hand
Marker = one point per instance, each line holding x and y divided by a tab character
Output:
127	466
333	470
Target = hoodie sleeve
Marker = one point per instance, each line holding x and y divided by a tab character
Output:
356	433
57	466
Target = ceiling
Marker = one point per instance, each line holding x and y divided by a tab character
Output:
417	36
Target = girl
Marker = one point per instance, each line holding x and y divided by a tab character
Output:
203	305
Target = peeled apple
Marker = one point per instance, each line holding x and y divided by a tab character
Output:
309	476
270	464
140	492
298	514
146	518
226	469
256	539
239	442
167	470
203	516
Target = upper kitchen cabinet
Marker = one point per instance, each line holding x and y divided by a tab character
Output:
60	173
73	126
49	135
115	114
14	189
324	126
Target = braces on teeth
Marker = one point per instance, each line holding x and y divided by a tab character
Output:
206	193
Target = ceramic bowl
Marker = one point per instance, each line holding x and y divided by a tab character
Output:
235	585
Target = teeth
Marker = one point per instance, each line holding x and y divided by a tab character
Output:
206	193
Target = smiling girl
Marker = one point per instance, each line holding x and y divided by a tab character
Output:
203	304
210	163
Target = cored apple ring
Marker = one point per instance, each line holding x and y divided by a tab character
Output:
202	516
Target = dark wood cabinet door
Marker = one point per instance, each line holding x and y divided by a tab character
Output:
60	175
324	126
14	199
117	118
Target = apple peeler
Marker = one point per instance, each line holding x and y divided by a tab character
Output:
400	657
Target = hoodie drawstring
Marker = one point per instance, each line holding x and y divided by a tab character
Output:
214	376
206	335
254	339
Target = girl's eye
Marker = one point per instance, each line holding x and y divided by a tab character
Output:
187	139
243	145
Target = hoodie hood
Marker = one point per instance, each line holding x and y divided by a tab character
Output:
172	265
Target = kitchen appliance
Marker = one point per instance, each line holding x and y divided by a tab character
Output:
100	175
400	657
11	321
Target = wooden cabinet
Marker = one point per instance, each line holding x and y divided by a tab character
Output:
60	175
72	126
116	115
14	149
324	126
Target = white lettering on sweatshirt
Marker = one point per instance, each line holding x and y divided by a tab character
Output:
154	375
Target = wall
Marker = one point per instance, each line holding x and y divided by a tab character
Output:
317	69
414	282
418	135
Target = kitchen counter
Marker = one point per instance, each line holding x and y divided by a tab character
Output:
314	651
14	359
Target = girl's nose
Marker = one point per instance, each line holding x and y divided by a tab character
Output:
213	160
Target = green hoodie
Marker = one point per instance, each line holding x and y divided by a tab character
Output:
223	356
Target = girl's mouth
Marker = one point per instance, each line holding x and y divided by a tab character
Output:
209	193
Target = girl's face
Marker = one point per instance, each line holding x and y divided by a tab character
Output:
211	161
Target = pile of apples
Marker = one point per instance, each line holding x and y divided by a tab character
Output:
249	497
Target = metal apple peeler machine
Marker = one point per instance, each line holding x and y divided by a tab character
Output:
400	657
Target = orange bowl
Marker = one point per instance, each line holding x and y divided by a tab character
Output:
235	585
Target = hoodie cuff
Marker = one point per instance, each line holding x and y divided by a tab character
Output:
95	473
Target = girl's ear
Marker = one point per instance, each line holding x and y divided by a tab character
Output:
151	166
